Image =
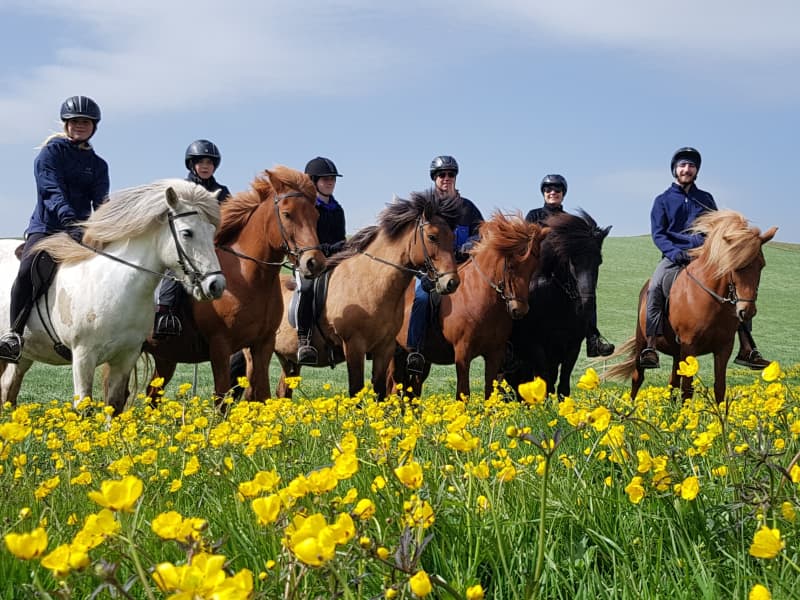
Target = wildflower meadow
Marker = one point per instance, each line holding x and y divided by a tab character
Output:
327	496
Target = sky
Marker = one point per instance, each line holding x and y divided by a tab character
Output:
601	92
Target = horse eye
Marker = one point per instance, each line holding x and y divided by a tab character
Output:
286	215
187	233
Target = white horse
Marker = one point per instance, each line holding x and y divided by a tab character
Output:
100	302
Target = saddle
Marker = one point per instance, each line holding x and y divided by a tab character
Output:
319	293
666	284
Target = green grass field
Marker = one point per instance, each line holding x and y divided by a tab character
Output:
628	262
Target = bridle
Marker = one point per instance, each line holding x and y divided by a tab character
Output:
430	269
294	252
732	297
187	265
500	286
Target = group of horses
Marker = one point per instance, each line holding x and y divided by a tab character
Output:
523	300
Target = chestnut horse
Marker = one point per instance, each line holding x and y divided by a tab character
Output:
708	301
260	226
547	341
476	319
364	305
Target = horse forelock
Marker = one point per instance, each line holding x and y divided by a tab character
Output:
237	209
508	235
130	212
730	242
286	177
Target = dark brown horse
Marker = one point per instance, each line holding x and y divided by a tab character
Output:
476	319
708	301
260	227
364	305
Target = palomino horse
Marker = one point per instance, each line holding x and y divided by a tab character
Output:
546	342
475	320
368	279
708	301
100	302
260	226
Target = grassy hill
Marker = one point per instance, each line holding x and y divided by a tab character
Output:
628	262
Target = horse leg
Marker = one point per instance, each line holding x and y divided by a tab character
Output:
493	363
288	369
83	366
396	374
720	373
11	381
259	377
163	368
566	372
462	377
117	379
381	358
354	354
637	379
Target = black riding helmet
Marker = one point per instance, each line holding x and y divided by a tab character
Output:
554	179
202	149
321	167
685	153
443	163
83	107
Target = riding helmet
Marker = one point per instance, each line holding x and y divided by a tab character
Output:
83	107
554	179
202	149
685	153
443	163
321	167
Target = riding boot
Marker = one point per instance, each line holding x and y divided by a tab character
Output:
648	358
306	353
597	345
11	344
166	323
415	362
748	355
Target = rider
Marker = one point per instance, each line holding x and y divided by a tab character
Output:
71	181
554	188
331	234
202	158
672	215
443	172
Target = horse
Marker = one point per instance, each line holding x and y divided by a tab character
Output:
546	342
100	301
276	217
367	281
707	303
476	319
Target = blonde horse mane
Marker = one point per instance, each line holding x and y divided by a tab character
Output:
508	235
129	213
237	210
730	242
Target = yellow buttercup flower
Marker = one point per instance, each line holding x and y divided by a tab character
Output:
118	495
688	367
767	543
533	392
64	559
27	545
759	592
365	509
589	380
475	592
635	490
772	371
420	584
410	475
267	508
689	488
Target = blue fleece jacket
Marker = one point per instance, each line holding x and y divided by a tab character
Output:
70	182
673	213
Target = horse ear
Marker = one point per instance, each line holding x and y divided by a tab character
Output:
606	231
768	235
172	198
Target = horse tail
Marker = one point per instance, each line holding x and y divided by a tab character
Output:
625	369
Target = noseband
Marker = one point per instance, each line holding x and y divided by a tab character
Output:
187	265
500	286
732	297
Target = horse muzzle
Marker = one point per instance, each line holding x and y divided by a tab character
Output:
312	264
447	283
517	309
210	288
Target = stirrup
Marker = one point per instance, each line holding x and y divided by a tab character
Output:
307	355
415	362
11	344
648	359
167	324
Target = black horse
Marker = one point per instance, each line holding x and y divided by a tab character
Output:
562	302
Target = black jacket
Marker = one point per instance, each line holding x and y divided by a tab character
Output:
538	215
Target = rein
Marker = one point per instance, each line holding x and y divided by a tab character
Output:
732	297
498	287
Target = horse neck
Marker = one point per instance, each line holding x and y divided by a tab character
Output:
257	238
396	251
135	251
487	264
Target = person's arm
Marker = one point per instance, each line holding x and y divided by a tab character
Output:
50	185
101	184
659	229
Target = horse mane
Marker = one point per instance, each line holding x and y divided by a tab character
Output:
129	213
573	234
730	241
237	210
397	215
507	235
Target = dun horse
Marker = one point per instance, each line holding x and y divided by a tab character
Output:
546	342
476	319
707	302
100	302
366	290
260	226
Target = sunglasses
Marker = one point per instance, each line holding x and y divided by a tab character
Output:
553	188
448	174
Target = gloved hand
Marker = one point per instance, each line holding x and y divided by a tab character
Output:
427	284
74	231
683	258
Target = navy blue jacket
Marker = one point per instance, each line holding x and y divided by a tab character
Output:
538	215
71	181
331	225
673	213
212	185
468	223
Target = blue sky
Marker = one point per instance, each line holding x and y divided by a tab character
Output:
602	92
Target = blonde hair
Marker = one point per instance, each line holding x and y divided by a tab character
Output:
63	134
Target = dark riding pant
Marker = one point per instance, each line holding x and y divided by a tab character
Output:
305	306
22	290
657	296
168	292
418	320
